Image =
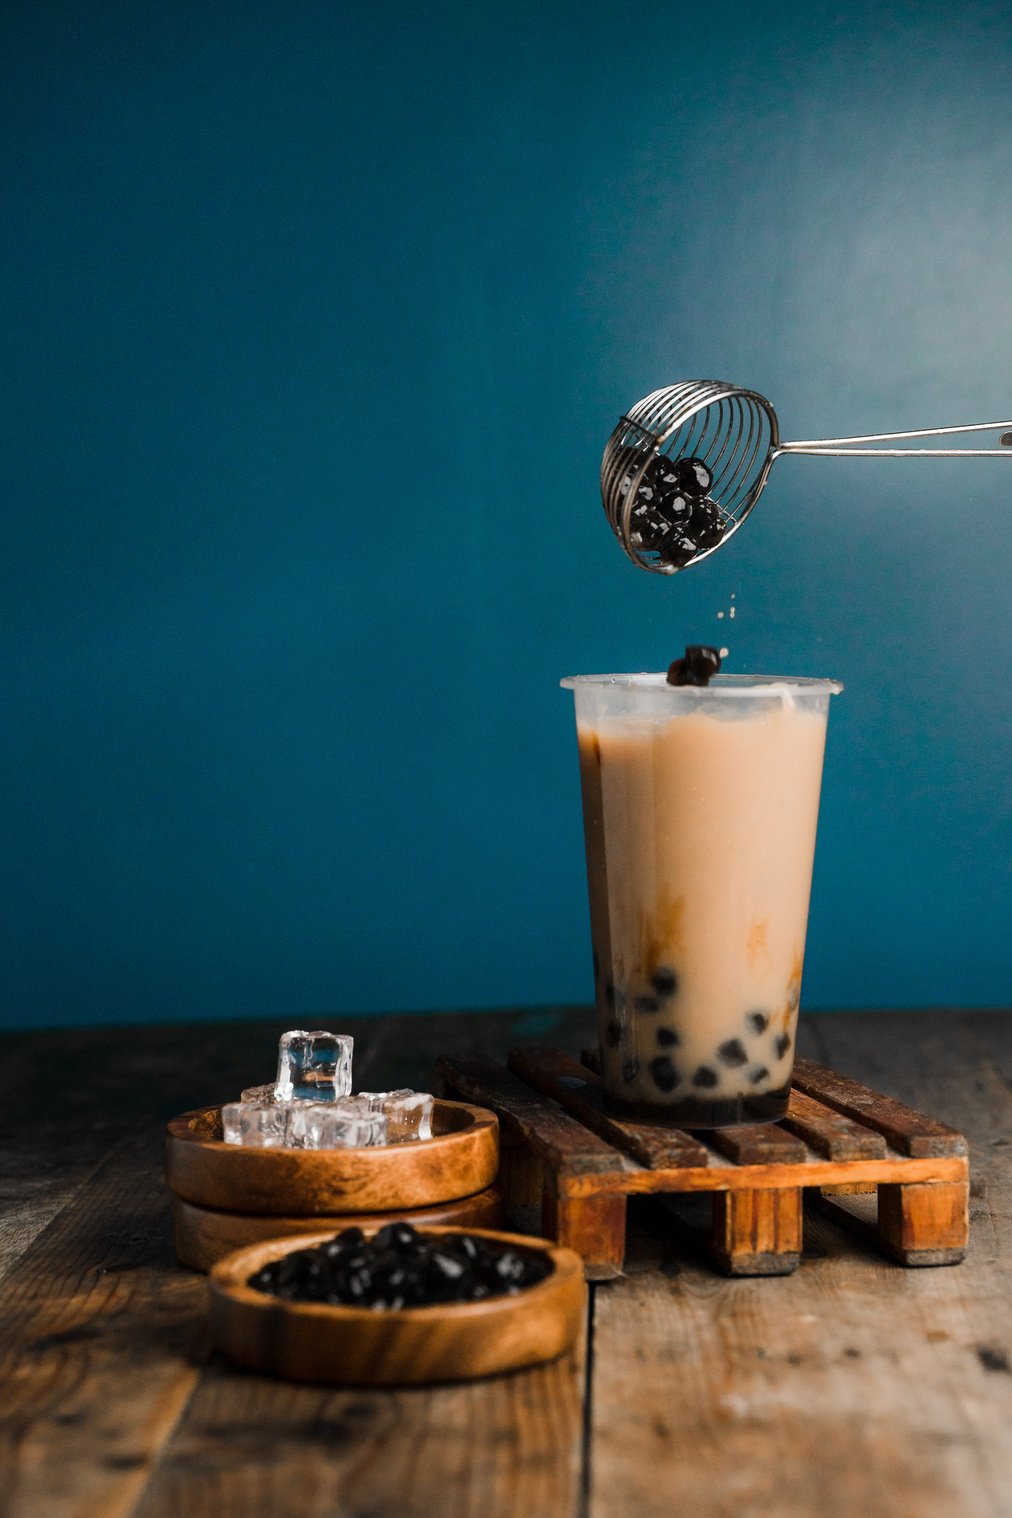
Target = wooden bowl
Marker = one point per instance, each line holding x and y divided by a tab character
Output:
460	1159
354	1346
205	1235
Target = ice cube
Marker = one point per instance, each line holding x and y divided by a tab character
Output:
259	1093
408	1113
256	1123
347	1123
313	1067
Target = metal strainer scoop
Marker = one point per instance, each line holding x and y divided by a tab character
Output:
684	468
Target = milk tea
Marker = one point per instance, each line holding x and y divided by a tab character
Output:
700	811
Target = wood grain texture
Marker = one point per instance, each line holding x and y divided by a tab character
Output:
756	1214
104	1344
99	1347
758	1144
908	1132
756	1233
829	1132
203	1236
578	1091
356	1346
851	1388
562	1142
251	1447
461	1158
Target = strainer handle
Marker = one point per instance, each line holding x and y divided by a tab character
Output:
840	447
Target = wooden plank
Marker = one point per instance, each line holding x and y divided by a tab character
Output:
594	1226
98	1346
925	1224
639	1181
745	1144
830	1133
555	1074
907	1131
838	1118
756	1233
757	1144
821	1422
101	1334
792	1397
250	1447
563	1143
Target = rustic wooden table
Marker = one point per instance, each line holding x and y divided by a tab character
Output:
853	1387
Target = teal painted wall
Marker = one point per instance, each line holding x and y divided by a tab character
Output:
316	319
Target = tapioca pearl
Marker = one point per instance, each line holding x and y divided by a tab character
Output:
667	1037
609	995
630	1069
664	981
691	475
704	1076
757	1022
613	1033
706	525
781	1044
758	1073
732	1052
665	1075
647	1004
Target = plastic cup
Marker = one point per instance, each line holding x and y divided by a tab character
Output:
700	807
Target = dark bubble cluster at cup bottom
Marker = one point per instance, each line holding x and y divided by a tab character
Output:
665	1072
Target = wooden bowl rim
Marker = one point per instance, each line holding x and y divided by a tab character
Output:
180	1130
341	1219
566	1264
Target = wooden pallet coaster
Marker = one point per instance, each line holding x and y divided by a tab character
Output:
562	1149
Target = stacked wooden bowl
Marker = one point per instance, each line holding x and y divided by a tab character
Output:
228	1196
358	1346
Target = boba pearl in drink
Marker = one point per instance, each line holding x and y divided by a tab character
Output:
700	809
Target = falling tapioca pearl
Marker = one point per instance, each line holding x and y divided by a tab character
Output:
697	666
757	1022
732	1052
664	1073
664	981
781	1044
612	1033
758	1073
609	994
630	1069
647	1004
667	1038
704	1076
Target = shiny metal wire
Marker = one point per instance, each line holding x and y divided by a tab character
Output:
735	433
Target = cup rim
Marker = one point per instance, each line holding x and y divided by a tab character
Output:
720	685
